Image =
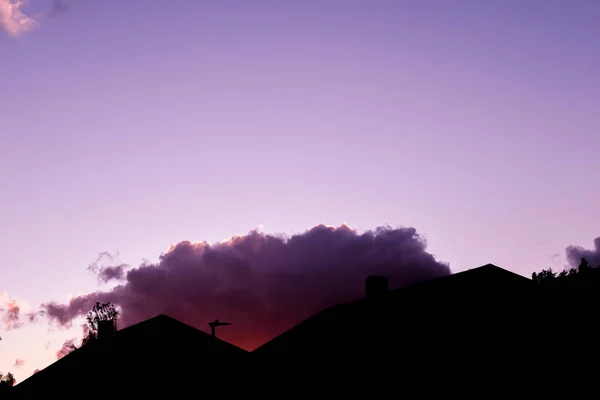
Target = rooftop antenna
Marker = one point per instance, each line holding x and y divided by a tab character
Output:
213	325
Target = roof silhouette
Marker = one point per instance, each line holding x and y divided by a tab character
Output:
483	317
409	312
134	354
485	321
477	320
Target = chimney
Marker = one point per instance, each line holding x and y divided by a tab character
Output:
106	328
376	286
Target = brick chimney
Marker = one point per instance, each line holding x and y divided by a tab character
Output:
376	286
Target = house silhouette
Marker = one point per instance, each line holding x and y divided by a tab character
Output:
479	319
486	320
452	316
139	361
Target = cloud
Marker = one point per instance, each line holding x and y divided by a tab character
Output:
555	258
575	253
106	270
10	319
19	363
15	22
58	7
66	348
12	18
12	311
263	284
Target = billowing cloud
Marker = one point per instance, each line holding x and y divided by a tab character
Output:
575	253
66	348
12	312
19	363
263	284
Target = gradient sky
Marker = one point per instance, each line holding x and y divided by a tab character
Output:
131	125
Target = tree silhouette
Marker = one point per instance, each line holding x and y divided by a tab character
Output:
584	266
544	275
6	384
99	313
584	272
9	379
91	336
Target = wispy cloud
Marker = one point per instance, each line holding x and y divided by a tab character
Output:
11	311
15	21
12	18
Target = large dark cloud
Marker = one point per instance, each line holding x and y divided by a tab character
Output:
575	253
263	284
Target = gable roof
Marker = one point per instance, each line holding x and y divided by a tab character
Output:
159	342
448	293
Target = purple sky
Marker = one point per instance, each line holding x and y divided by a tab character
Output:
133	125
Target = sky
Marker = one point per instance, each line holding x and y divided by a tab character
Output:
221	152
